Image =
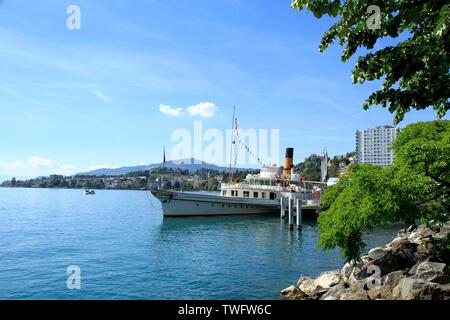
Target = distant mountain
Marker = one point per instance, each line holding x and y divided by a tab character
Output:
190	164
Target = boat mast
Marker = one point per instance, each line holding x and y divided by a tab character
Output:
230	174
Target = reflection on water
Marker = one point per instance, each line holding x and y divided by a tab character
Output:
126	250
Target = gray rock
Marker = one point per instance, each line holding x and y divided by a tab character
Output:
365	259
427	248
381	293
416	289
302	279
353	293
391	280
415	238
335	292
408	289
308	286
431	272
402	255
439	236
347	270
434	291
424	231
411	228
330	298
328	279
357	280
377	253
290	291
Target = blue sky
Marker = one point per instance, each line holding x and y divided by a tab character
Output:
72	100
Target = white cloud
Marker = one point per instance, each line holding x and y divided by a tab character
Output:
173	112
35	166
102	96
203	109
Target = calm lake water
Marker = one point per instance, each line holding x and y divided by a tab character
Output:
126	250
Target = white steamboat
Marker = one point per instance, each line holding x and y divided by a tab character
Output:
262	193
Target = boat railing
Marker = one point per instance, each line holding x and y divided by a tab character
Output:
252	187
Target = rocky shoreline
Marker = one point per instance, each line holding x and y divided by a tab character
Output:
413	266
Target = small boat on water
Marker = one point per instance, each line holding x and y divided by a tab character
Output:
89	191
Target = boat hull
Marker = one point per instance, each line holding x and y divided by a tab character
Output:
183	204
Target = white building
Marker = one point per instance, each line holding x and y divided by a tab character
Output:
372	145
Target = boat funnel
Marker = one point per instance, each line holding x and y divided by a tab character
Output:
288	162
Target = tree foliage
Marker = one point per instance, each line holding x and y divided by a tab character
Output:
311	166
415	72
416	186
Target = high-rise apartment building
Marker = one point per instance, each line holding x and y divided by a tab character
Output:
372	145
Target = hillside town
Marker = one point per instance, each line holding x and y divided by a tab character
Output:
194	180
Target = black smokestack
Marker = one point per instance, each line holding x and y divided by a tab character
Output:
289	153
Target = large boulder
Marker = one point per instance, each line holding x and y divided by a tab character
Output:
426	248
423	231
293	292
391	280
353	293
408	289
381	293
302	279
417	289
377	253
401	256
357	279
431	272
289	291
347	270
434	291
328	279
335	292
308	286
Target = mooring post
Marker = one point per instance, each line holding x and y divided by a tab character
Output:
299	214
290	212
282	208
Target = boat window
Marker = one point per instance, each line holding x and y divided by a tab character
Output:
263	195
272	196
224	192
246	194
234	193
255	194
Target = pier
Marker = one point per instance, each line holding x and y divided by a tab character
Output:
293	206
